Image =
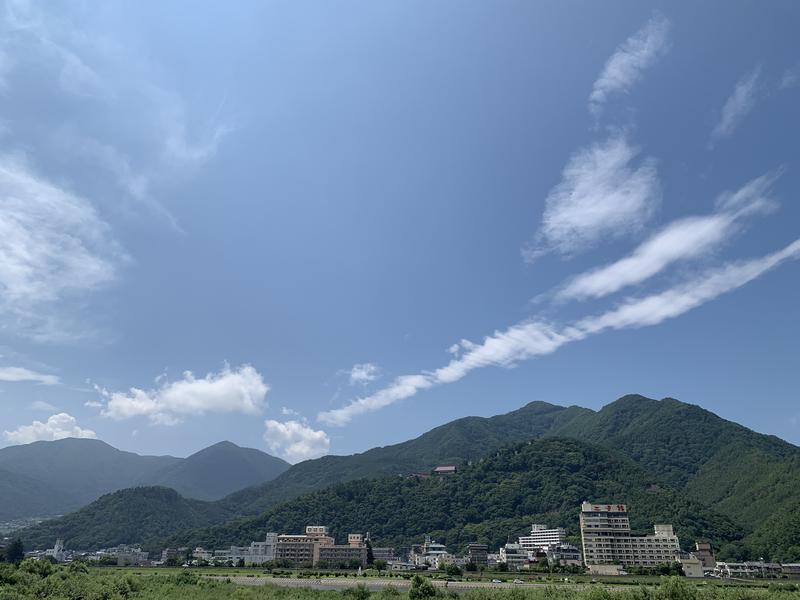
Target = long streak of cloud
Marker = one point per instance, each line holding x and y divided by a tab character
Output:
530	339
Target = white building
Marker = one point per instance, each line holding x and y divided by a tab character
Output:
541	536
257	553
607	539
56	552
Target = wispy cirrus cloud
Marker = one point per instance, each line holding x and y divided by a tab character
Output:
683	239
630	60
57	427
21	374
240	390
737	106
294	440
54	248
606	191
530	339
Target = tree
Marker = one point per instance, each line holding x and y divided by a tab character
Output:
380	565
421	588
370	555
453	570
471	567
15	551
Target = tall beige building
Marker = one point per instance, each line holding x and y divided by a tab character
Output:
607	539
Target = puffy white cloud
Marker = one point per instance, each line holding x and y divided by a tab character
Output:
53	248
737	106
627	65
363	373
530	339
23	374
57	427
680	240
231	390
603	193
294	440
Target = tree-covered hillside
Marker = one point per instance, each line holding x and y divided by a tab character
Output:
456	442
496	497
140	515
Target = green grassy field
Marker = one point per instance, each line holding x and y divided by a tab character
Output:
40	580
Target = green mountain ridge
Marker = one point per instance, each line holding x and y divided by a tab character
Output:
719	467
134	515
57	477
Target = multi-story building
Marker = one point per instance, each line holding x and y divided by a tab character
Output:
428	554
563	554
542	536
385	554
515	557
342	555
478	554
607	539
705	554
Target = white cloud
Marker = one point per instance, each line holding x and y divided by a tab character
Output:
401	388
57	427
363	373
603	193
290	412
737	106
239	390
22	374
627	65
42	405
790	78
53	247
295	441
530	339
680	240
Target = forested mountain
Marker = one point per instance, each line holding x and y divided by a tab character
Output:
49	478
456	442
136	515
36	496
80	470
494	498
742	485
217	470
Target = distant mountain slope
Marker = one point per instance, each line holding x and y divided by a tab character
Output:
743	474
496	497
218	470
70	473
456	442
37	497
80	469
136	515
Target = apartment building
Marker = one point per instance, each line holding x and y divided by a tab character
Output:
515	557
318	546
478	554
542	536
607	539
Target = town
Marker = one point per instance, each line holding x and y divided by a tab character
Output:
608	547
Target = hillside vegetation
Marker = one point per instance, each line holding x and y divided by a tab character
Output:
496	497
142	515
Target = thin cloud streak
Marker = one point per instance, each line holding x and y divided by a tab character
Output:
627	65
737	106
21	374
531	339
682	239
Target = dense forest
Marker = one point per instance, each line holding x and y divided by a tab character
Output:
492	500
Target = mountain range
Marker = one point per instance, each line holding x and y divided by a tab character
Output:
51	478
719	480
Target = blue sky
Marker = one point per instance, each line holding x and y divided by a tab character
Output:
315	227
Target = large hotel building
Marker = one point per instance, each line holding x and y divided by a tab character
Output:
607	539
